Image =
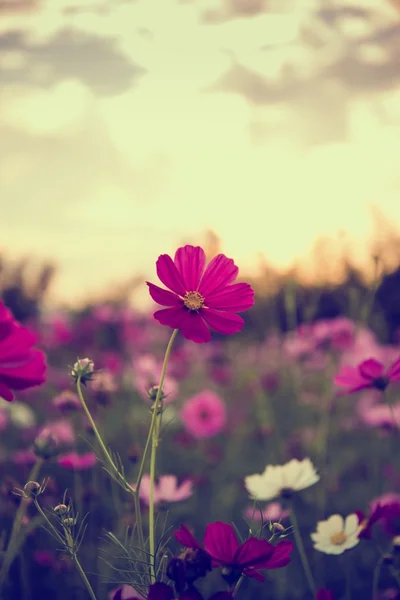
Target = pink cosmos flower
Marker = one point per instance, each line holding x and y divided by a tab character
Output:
147	374
221	543
67	401
370	374
166	490
272	512
201	298
204	415
62	431
77	462
21	367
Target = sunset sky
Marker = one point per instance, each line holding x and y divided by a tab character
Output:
128	127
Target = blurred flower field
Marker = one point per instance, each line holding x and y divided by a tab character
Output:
273	459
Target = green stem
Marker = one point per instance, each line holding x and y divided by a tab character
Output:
119	477
377	573
237	586
302	553
14	543
153	435
78	565
84	578
99	439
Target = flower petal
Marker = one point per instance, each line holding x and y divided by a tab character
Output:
160	591
194	328
394	371
169	274
233	298
254	553
220	542
280	556
6	393
371	369
190	262
220	272
172	317
163	297
185	538
351	379
189	323
222	322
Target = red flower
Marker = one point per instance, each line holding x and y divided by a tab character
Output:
369	374
225	551
201	298
21	367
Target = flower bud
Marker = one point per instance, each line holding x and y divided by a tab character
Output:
68	522
83	369
152	393
46	445
32	489
61	509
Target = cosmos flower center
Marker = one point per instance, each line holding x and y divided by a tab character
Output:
193	300
339	538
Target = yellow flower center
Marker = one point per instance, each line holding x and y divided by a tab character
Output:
193	300
339	538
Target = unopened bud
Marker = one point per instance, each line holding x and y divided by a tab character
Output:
396	544
277	528
32	489
46	445
152	393
61	509
83	369
69	522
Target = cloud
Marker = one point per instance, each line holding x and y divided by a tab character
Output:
69	54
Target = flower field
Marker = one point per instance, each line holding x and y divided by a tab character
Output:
171	455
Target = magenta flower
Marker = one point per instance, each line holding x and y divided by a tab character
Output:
204	415
384	510
221	543
201	298
370	374
324	595
166	490
162	591
21	367
77	462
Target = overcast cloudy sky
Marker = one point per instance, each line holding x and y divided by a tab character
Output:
127	127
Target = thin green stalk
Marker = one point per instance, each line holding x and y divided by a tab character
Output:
153	435
78	565
99	439
302	553
14	543
377	574
114	468
153	456
237	586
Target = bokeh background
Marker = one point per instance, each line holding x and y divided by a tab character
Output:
128	127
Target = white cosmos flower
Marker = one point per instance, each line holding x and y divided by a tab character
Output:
279	480
335	535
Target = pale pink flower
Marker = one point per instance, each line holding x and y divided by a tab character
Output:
66	401
147	374
62	430
166	490
104	382
204	415
77	462
271	512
